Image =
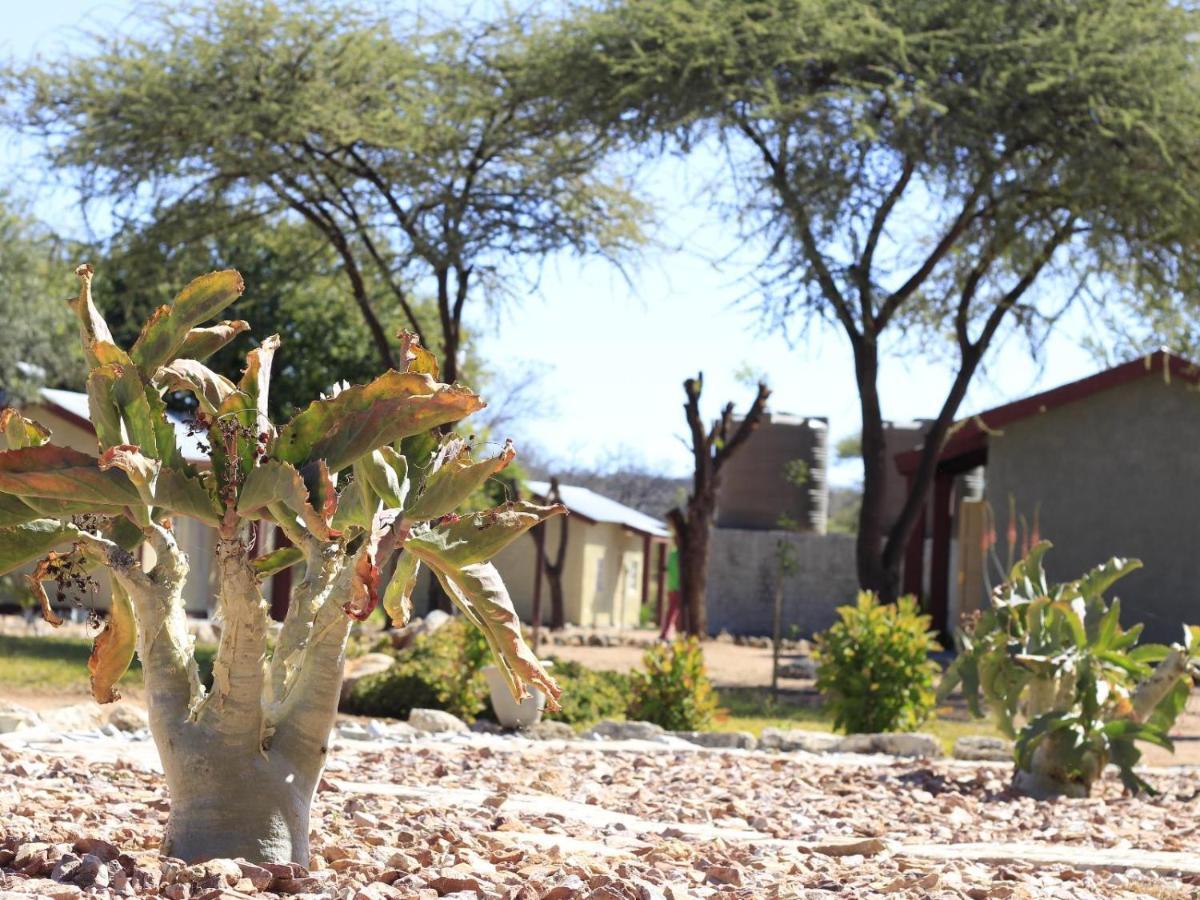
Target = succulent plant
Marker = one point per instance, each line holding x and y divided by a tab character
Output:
1062	676
357	477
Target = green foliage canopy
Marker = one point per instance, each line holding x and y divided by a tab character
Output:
430	156
940	172
38	348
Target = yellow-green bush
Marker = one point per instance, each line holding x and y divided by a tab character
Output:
673	690
588	695
441	670
873	666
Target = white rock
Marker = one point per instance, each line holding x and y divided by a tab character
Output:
741	740
897	744
80	717
435	721
983	748
790	740
14	717
613	730
128	718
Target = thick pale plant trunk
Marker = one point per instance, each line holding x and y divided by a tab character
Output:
226	802
241	762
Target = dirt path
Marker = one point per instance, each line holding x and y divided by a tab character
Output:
729	665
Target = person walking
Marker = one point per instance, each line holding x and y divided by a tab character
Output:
674	595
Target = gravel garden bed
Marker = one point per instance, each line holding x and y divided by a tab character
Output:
469	815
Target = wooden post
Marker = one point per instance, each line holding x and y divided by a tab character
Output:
539	573
972	559
662	583
939	568
645	569
914	557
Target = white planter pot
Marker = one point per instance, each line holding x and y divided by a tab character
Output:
509	712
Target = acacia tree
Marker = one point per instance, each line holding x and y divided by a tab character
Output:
324	340
927	176
351	480
692	523
438	159
32	353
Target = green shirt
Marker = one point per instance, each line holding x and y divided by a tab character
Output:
673	583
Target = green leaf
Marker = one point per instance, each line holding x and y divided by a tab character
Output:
346	427
164	434
92	327
102	406
1101	578
201	343
247	407
356	505
276	561
397	599
129	395
210	389
478	537
60	473
18	432
33	540
386	472
1107	629
480	593
1149	654
162	487
168	328
455	479
277	482
14	511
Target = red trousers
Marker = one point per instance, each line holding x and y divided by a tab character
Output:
671	618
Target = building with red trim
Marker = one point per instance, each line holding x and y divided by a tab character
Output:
1106	466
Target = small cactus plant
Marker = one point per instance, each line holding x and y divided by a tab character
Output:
355	478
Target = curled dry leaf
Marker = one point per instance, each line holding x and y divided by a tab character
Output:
113	649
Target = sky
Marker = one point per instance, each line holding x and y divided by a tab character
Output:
613	349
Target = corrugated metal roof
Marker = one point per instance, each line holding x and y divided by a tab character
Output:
602	509
76	403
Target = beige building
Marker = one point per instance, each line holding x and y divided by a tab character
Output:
614	564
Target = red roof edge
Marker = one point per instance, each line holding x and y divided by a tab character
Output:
972	433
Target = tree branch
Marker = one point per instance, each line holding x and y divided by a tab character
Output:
867	259
808	240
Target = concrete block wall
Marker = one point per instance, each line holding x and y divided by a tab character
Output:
743	569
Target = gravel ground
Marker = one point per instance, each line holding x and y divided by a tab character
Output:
494	817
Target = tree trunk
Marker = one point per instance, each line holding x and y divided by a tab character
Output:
555	568
693	569
869	541
228	802
558	607
242	761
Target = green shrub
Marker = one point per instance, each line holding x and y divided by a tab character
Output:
674	690
441	670
588	695
873	666
1064	678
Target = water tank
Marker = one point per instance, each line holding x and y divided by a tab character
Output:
779	478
